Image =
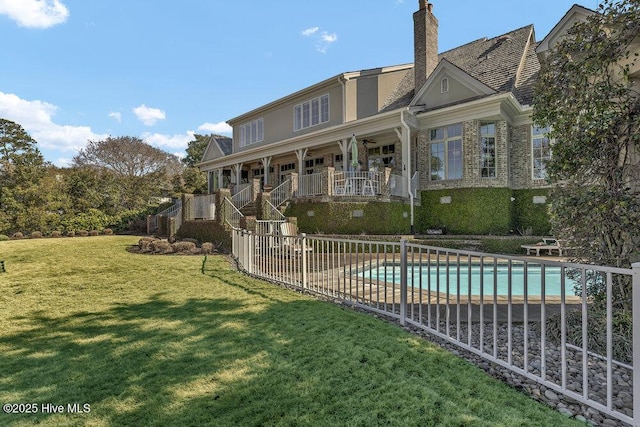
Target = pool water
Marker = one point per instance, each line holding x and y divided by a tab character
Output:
436	279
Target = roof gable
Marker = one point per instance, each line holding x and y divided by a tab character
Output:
218	146
504	63
577	13
460	87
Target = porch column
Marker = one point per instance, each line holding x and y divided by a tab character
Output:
237	169
211	182
266	163
301	154
220	178
344	147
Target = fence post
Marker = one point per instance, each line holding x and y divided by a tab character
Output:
636	341
251	240
403	281
303	245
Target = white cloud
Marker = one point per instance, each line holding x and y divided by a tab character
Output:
168	141
36	117
218	128
149	116
35	13
116	115
323	39
310	31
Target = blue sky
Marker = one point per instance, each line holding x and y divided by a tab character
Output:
79	70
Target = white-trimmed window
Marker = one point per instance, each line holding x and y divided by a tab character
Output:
488	150
445	146
311	113
444	85
252	132
540	151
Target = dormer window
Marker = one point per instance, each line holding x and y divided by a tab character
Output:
444	85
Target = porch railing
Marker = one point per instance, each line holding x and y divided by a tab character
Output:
310	185
497	307
203	206
352	183
398	186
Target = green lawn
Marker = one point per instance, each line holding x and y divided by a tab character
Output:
149	340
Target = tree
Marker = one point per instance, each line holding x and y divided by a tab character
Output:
22	168
587	96
140	170
193	180
196	148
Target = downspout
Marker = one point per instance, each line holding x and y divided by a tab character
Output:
343	82
408	165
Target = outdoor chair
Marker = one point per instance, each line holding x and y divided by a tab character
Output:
548	244
289	241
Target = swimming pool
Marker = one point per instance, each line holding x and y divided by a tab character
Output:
435	279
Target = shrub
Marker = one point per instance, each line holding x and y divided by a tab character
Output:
93	233
83	233
107	232
184	246
134	220
160	247
36	235
467	211
71	233
55	234
17	235
92	219
207	248
205	231
145	243
351	217
3	238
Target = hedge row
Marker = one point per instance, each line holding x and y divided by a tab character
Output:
351	217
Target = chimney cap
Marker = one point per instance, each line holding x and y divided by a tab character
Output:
425	4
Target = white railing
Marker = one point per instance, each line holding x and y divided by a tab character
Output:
281	193
310	185
511	311
272	211
243	197
398	186
358	184
232	215
173	211
203	206
415	181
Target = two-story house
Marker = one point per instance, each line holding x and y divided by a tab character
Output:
449	121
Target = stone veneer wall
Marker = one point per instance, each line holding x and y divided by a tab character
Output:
513	162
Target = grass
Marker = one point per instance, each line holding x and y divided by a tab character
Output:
149	340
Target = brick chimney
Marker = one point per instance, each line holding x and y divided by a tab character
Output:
425	43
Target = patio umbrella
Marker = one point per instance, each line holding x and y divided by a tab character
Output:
354	151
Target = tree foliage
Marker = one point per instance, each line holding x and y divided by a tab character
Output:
139	170
587	96
196	148
22	168
192	179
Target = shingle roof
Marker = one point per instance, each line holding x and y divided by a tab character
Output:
225	144
494	62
